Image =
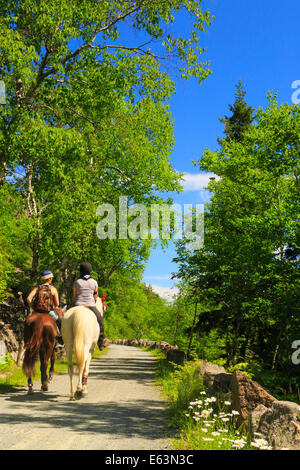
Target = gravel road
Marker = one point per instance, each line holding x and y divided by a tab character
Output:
123	410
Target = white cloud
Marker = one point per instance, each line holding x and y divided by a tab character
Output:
197	181
165	292
162	277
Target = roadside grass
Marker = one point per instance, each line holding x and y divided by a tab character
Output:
12	376
199	421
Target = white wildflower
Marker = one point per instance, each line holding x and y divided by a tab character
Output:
239	443
259	443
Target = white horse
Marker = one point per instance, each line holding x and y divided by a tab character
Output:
80	330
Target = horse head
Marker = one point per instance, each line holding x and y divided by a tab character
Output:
103	301
60	312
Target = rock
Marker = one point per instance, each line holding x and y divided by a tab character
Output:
246	395
254	418
208	372
11	326
164	346
106	343
3	348
176	356
8	336
280	425
221	383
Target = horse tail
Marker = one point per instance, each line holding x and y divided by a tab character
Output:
33	339
78	334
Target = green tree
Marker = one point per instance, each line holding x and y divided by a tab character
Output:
87	120
251	286
241	117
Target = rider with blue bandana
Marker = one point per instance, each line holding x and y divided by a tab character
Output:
47	277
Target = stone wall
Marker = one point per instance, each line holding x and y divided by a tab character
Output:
278	422
12	327
173	354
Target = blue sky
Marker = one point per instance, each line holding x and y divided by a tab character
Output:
257	41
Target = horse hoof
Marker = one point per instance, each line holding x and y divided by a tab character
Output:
78	395
44	388
30	391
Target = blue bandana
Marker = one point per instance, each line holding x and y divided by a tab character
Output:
46	273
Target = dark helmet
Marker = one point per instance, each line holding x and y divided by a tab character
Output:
85	268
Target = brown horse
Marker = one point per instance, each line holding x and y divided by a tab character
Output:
40	334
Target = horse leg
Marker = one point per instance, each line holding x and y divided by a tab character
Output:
70	369
86	372
78	393
44	364
85	378
83	375
53	357
30	386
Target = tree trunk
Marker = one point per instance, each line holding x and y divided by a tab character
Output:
192	329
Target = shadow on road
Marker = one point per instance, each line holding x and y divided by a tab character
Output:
139	417
119	420
124	369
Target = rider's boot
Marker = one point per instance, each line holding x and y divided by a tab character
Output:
101	341
59	339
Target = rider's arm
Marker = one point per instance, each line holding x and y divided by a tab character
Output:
74	293
31	295
55	297
95	293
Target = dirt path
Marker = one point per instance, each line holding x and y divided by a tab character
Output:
122	411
